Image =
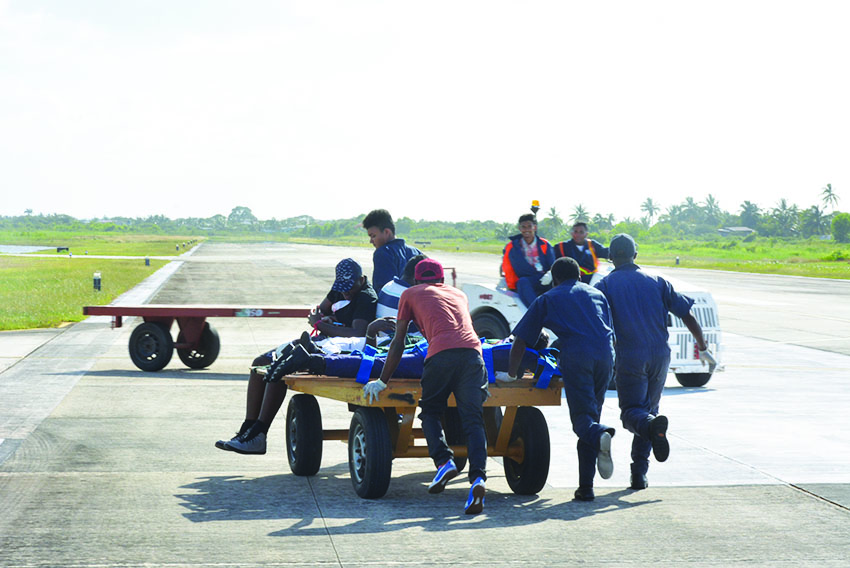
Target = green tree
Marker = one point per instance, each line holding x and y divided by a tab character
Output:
552	226
712	211
785	216
750	213
841	227
828	196
580	214
240	216
650	208
812	221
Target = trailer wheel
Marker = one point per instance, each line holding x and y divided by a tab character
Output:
532	433
491	326
370	456
693	379
455	436
205	353
151	346
304	435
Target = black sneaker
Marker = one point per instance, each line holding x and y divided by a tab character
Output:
658	437
584	494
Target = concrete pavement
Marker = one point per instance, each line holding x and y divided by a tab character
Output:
104	465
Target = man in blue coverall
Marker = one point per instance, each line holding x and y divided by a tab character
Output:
586	252
391	253
579	316
639	305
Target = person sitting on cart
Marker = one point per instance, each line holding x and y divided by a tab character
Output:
347	310
586	252
580	316
526	261
454	364
380	329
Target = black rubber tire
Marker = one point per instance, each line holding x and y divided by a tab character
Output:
207	351
693	379
370	455
531	430
491	326
151	346
304	435
455	436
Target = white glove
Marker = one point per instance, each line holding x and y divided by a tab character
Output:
546	279
708	357
504	377
372	388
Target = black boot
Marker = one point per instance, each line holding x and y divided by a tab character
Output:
295	362
316	365
308	344
638	480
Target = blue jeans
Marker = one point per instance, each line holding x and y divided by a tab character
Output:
462	372
640	381
585	384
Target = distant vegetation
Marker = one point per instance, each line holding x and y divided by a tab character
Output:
784	239
690	219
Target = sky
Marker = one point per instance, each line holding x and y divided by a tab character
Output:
438	110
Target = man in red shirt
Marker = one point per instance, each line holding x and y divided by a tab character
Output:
453	365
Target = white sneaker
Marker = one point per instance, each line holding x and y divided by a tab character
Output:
604	463
244	445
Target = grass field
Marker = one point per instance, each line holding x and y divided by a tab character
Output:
814	258
46	292
100	243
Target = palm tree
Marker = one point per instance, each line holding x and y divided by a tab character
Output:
812	221
786	217
712	210
580	214
828	196
749	214
650	208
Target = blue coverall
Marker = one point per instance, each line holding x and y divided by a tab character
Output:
579	315
639	305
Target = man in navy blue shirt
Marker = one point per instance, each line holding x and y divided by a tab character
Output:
391	253
578	314
639	305
586	252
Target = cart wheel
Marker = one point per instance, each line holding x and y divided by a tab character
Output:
532	433
205	353
491	326
370	456
455	436
693	379
151	346
304	435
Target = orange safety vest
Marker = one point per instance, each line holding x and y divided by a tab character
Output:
508	270
560	248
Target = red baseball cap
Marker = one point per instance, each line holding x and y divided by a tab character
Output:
428	270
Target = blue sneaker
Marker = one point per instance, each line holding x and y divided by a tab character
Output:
475	501
445	473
